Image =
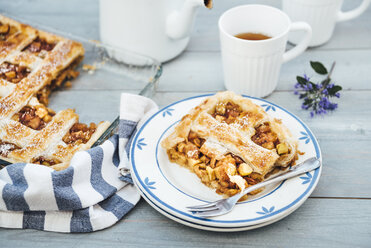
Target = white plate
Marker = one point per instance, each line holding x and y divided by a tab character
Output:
205	227
171	187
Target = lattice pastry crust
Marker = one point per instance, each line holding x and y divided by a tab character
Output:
32	64
230	143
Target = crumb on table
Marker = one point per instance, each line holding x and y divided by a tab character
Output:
89	68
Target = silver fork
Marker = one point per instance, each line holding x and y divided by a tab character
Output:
224	206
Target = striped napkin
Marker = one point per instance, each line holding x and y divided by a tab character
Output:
93	193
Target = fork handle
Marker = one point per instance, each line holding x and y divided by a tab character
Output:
307	165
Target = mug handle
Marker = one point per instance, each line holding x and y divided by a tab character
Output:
303	44
347	15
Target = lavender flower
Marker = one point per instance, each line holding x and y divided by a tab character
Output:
316	97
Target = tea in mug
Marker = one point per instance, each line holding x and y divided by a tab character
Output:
252	36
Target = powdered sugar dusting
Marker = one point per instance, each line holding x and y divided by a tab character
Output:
235	141
5	148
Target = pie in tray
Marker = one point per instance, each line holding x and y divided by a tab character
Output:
230	143
32	64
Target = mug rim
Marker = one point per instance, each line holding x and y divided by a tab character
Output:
221	29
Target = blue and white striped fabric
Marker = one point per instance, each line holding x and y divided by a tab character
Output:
93	193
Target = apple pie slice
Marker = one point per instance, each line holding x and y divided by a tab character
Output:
230	143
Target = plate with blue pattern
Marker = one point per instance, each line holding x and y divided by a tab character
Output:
170	188
206	227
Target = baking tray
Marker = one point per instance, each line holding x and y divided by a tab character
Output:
95	93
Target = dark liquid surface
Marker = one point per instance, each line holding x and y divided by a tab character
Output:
252	36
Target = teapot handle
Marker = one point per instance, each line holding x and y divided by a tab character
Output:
180	22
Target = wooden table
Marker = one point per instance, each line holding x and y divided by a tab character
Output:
338	214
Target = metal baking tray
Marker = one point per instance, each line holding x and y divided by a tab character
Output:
95	93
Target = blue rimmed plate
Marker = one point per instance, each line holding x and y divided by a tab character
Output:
170	188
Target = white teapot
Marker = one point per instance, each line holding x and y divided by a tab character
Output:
156	28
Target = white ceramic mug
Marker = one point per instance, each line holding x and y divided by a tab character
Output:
321	15
253	67
156	28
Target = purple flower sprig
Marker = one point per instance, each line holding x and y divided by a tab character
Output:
316	96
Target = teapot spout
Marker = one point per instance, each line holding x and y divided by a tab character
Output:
179	23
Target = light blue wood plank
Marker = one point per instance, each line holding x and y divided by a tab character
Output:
61	14
318	223
202	71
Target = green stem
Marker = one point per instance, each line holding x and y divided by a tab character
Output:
328	78
331	70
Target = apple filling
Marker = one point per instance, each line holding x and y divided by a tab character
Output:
227	112
13	73
66	74
266	138
79	133
35	117
6	30
45	161
40	47
212	171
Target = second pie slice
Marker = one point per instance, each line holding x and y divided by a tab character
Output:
32	64
230	143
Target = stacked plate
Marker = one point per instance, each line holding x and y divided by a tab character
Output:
170	188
